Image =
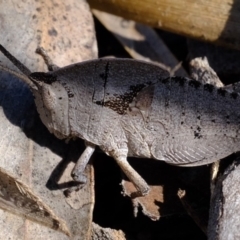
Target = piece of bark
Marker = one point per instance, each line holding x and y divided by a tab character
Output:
225	205
28	151
225	62
216	22
106	233
202	72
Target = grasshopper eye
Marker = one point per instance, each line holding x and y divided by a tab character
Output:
49	97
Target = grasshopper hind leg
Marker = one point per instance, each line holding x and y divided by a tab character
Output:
140	184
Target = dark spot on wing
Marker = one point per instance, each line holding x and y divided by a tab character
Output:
208	87
120	103
70	95
180	80
222	92
197	133
105	74
194	83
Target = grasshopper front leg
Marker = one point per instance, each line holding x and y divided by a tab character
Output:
77	172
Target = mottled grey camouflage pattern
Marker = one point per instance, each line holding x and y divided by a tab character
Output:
133	108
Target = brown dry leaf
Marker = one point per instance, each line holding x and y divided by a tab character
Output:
148	203
29	153
162	199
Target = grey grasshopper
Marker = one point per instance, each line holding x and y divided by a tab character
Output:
133	108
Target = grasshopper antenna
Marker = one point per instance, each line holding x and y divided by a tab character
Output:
16	62
26	72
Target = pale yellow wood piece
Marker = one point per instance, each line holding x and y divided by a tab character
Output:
214	21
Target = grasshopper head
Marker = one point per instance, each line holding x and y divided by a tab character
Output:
50	96
51	100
